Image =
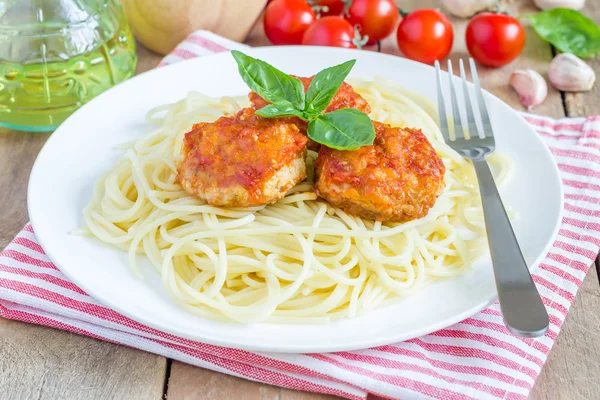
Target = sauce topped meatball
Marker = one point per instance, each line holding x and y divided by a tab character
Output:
396	179
242	160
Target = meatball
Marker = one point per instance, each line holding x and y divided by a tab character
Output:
242	160
345	97
396	179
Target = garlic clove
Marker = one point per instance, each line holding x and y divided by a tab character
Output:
548	4
468	8
530	86
569	73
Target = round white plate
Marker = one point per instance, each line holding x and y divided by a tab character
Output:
84	147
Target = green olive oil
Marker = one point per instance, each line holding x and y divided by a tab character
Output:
39	92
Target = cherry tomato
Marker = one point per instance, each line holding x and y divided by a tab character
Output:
334	7
286	21
495	39
330	31
425	35
374	18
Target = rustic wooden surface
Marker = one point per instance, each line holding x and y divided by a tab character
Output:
42	363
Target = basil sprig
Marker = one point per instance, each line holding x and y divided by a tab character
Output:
270	83
568	30
325	85
343	129
280	110
348	128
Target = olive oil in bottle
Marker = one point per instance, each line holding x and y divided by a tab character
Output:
57	55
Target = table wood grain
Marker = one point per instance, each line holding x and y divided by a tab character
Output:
42	363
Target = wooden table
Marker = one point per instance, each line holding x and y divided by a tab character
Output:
43	363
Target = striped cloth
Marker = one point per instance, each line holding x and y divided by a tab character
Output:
474	359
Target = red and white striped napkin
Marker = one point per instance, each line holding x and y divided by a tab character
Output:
474	359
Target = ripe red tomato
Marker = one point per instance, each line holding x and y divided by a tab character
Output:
374	18
425	35
495	39
330	31
335	7
285	21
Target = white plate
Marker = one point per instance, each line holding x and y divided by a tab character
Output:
84	147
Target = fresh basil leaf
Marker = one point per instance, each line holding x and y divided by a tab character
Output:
344	129
280	110
270	83
325	85
568	30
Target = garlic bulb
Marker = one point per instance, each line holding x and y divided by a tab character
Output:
468	8
530	86
569	73
548	4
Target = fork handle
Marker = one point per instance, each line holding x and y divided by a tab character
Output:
523	310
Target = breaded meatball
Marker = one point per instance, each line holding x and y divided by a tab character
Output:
345	97
396	179
243	160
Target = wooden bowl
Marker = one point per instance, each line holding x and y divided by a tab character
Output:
162	24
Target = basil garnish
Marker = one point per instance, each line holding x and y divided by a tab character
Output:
344	129
270	83
280	110
326	84
568	30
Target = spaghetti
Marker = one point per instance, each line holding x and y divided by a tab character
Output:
299	260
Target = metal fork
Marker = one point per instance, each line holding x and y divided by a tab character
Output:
522	308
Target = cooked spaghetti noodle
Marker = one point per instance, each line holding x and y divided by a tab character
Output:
300	259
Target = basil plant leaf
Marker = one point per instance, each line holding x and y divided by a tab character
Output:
568	30
325	85
270	83
280	110
344	129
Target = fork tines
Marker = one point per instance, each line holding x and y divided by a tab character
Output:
472	131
